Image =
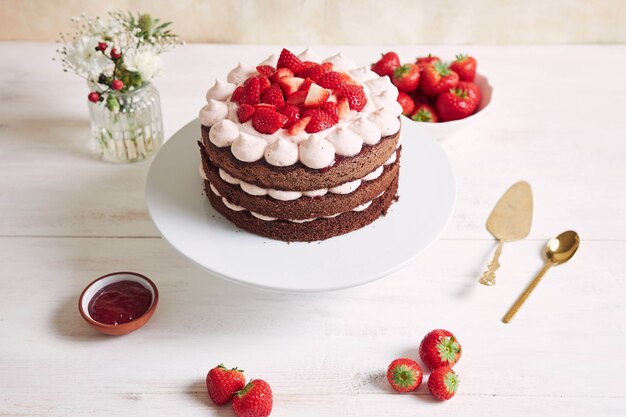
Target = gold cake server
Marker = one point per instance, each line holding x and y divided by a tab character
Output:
510	220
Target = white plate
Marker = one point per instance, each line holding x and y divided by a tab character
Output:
185	218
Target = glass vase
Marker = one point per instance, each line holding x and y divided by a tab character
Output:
130	130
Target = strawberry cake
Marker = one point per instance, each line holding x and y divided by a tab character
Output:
301	148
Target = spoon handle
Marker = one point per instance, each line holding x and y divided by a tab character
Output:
489	276
522	298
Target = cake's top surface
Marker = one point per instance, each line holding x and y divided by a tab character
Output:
301	108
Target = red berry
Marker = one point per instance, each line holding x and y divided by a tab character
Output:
254	400
355	95
268	120
274	96
330	109
332	80
237	94
117	84
319	121
222	383
465	66
443	383
386	64
406	77
251	91
102	46
439	348
245	112
115	54
289	60
407	103
425	113
280	73
297	98
94	97
293	114
404	375
266	70
456	104
316	71
299	126
264	83
437	78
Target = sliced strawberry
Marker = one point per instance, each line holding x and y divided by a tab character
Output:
245	112
237	94
306	85
316	71
289	60
267	120
264	106
264	83
348	79
332	80
333	97
355	96
299	126
292	112
290	85
297	98
316	96
280	73
343	108
330	109
251	91
266	70
274	96
319	121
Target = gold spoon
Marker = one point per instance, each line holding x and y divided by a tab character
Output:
559	250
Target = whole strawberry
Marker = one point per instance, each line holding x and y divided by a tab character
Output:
439	348
471	88
443	383
465	66
254	400
458	103
404	375
407	103
437	78
425	113
386	64
406	78
222	383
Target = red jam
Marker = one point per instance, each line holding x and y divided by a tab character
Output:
120	302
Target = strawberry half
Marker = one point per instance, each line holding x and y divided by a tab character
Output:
223	383
266	70
245	112
297	98
299	126
274	96
292	112
289	60
443	383
330	109
404	375
280	73
316	96
264	83
343	108
251	91
319	121
290	85
332	80
268	120
355	96
439	348
316	71
237	94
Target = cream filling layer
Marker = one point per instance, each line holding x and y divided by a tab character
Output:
342	189
263	217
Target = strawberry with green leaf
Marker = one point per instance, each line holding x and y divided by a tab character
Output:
443	383
425	113
437	78
404	375
465	66
439	348
406	78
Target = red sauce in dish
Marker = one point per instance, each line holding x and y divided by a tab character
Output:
120	302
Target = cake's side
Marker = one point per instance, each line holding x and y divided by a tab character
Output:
318	229
298	206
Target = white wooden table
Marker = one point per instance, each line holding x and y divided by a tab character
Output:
66	218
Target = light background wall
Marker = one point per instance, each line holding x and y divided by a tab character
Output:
343	21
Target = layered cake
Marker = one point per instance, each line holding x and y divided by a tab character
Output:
301	148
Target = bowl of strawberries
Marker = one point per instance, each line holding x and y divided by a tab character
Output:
441	98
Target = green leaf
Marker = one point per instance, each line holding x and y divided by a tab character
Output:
112	104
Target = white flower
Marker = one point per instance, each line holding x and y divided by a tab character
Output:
83	57
144	61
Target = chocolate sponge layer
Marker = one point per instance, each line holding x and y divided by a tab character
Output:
303	207
298	177
319	229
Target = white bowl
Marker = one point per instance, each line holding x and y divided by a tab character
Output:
446	129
